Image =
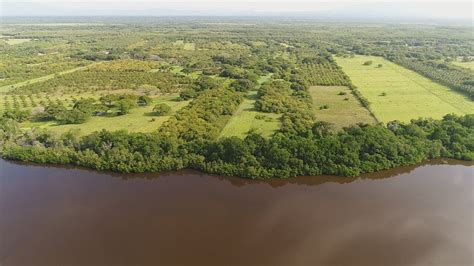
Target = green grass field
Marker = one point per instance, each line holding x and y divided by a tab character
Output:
344	110
16	41
468	65
247	118
139	120
396	93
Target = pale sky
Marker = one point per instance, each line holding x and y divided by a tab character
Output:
381	8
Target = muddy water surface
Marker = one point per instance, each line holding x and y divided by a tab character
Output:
419	215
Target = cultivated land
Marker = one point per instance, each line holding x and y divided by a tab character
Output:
396	93
194	83
140	119
26	102
343	110
40	79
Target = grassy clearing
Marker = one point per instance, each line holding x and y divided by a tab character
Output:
247	118
16	41
40	79
139	120
188	46
343	110
396	93
468	65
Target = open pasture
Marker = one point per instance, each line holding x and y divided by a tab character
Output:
16	41
342	107
396	93
247	118
139	119
467	65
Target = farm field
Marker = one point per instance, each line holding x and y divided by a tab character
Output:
396	93
343	110
138	120
23	102
40	79
468	65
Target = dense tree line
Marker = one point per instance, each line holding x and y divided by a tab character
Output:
353	151
201	84
205	116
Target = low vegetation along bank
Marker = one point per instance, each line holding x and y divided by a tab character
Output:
350	152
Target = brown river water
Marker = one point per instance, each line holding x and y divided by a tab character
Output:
420	215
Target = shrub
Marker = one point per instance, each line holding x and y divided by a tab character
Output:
161	109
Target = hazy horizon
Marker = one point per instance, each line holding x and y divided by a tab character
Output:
342	9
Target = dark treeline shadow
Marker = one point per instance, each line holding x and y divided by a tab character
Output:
241	182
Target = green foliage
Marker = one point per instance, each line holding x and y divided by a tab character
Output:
325	74
242	85
17	115
122	102
74	116
460	80
214	65
124	105
295	106
205	117
52	112
187	94
350	152
93	80
205	83
144	100
85	105
161	109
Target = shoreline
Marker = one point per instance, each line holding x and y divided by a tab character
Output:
386	173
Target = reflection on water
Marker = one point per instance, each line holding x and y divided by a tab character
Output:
420	215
